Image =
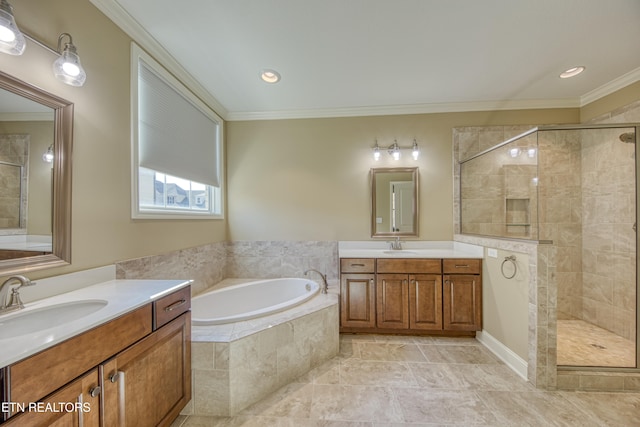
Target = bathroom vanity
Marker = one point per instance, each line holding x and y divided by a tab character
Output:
127	363
433	290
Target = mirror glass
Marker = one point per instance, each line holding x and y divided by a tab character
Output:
394	202
34	193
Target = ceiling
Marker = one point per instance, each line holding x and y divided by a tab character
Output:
369	57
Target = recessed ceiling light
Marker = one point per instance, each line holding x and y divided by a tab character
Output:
270	76
572	72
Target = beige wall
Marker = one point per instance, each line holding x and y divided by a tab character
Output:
102	229
308	179
505	301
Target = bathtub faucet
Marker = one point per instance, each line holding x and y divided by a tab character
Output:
325	285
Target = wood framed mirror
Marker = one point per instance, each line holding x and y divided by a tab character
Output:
17	101
394	202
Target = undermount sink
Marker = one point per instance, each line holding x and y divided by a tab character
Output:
399	252
28	321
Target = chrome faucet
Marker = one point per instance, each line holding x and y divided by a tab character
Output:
396	245
14	303
325	285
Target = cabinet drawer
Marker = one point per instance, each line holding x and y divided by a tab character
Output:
357	265
462	266
408	265
171	306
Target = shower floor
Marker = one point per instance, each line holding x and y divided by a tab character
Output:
582	344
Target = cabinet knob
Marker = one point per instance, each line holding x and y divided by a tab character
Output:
95	391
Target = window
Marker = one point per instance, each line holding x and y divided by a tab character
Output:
177	155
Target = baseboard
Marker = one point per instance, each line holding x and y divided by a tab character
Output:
504	353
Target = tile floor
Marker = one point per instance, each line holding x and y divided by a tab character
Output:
392	381
582	344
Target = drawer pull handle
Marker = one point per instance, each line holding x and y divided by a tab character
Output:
114	377
462	265
357	265
175	305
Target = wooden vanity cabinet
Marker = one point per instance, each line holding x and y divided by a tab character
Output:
134	370
411	295
462	294
357	293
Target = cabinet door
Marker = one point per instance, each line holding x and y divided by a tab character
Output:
462	302
149	383
392	296
425	301
357	301
77	404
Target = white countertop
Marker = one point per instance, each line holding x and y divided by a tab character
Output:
121	296
410	249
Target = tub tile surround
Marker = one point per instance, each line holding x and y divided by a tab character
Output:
236	365
209	264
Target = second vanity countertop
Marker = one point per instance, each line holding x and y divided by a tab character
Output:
410	249
121	296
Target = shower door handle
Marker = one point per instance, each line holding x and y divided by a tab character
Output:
634	227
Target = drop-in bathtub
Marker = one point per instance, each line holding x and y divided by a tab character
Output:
250	300
251	338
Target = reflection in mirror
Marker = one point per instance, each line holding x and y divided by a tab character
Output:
35	197
394	202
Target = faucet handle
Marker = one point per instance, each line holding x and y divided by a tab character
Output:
14	299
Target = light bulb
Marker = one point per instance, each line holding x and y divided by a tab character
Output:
396	154
11	39
67	67
415	152
376	154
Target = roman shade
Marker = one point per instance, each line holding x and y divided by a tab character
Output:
175	135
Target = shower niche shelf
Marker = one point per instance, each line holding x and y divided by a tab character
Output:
517	216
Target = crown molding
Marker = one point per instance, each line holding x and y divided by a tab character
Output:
610	87
133	29
454	107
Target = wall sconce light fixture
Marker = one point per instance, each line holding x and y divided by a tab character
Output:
67	67
395	150
48	155
11	39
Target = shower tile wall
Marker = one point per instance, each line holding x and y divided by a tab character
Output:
500	187
610	259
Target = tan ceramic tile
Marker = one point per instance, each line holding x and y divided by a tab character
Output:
380	373
534	409
354	403
390	352
446	407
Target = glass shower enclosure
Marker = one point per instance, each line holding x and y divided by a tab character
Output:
574	187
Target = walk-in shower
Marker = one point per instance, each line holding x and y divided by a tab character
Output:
573	187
